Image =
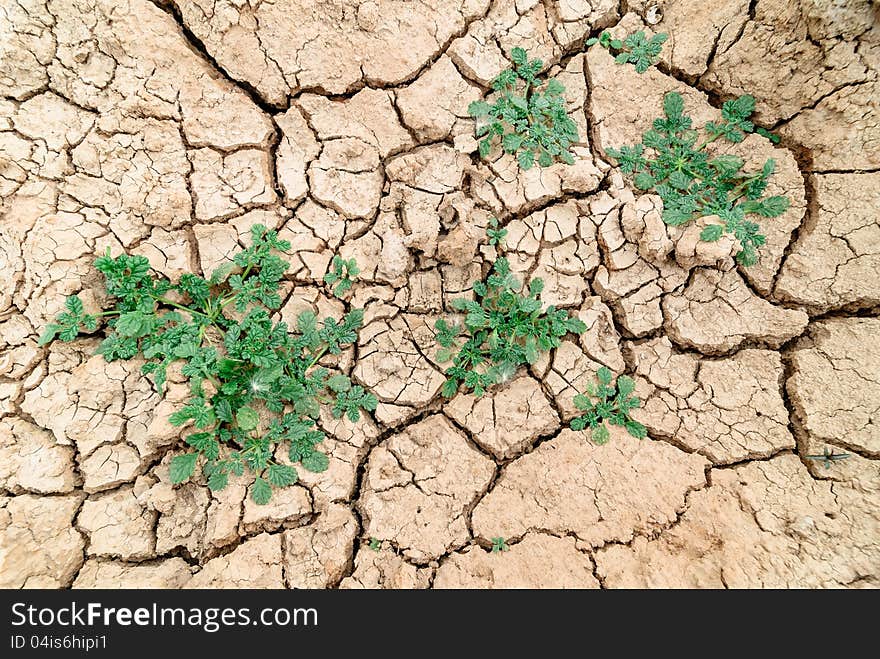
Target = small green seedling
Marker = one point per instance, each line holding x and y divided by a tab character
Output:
499	545
254	382
503	329
342	273
827	457
692	184
530	123
496	235
636	49
613	403
375	544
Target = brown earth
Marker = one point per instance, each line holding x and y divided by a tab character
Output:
168	128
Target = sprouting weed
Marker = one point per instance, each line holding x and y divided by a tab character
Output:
636	49
530	123
671	162
503	328
499	545
496	235
342	273
254	382
608	401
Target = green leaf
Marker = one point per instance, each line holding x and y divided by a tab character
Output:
478	109
518	56
450	388
133	323
636	429
247	418
48	334
773	206
673	105
280	475
526	159
643	181
261	492
338	383
625	385
679	180
600	435
711	232
605	375
182	467
316	461
218	480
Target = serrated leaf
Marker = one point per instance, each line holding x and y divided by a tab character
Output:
711	233
247	418
643	181
338	383
600	435
316	461
636	429
625	385
261	492
218	480
280	475
182	467
673	105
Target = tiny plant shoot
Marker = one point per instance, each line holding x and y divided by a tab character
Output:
608	401
255	383
530	123
499	545
636	49
672	162
342	273
827	457
503	328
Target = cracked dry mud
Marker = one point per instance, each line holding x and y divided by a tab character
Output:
169	128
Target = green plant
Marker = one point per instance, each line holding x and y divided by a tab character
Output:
496	235
691	183
828	456
375	544
499	545
503	330
342	273
613	403
254	383
531	124
636	49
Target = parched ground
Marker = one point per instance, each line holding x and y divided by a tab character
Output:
169	128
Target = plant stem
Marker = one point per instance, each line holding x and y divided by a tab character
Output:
317	357
162	300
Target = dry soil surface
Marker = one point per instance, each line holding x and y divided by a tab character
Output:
168	128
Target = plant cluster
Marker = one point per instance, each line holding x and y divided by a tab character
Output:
530	123
671	161
608	401
636	49
255	383
503	328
